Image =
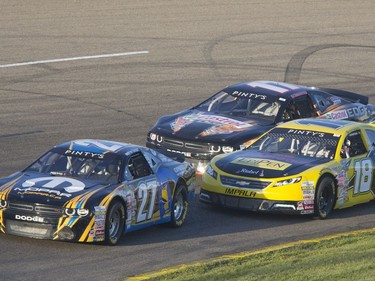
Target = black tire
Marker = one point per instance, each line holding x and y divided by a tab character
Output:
325	197
179	206
114	223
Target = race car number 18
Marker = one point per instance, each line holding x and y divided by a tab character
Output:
363	179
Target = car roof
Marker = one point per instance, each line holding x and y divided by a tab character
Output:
268	88
98	146
325	125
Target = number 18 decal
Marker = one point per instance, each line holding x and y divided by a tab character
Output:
147	195
363	179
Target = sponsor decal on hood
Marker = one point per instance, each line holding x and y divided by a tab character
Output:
43	189
220	124
261	163
55	187
266	165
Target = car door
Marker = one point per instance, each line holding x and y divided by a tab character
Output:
142	181
165	191
356	181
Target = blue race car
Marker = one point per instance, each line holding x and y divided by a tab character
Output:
95	190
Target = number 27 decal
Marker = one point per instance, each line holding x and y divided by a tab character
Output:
364	173
146	194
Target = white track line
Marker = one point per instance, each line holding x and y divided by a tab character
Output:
72	59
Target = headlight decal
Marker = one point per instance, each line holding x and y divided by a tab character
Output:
3	204
154	137
159	138
288	181
80	212
70	212
214	148
227	149
76	203
210	171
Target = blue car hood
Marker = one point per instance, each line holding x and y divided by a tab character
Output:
47	189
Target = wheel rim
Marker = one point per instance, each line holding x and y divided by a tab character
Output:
178	206
325	200
114	223
322	204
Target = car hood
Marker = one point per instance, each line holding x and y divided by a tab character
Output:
46	189
265	165
210	127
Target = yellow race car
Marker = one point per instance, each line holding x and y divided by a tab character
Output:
306	166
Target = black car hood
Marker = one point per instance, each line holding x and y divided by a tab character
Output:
209	127
266	165
46	189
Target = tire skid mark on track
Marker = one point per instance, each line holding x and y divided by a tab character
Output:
294	67
208	49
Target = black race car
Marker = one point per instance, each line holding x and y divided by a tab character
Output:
236	115
95	190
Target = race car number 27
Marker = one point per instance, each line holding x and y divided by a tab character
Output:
147	195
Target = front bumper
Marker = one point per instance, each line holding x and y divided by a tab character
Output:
254	204
199	159
42	222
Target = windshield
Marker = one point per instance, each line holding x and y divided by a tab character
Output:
224	103
298	142
84	166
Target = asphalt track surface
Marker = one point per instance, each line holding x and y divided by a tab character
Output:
56	85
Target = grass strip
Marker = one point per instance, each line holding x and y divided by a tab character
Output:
348	256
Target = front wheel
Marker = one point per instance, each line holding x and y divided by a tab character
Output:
114	224
324	197
179	206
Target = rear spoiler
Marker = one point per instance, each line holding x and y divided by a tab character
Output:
350	96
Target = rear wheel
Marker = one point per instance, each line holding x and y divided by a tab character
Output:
179	206
324	197
114	225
